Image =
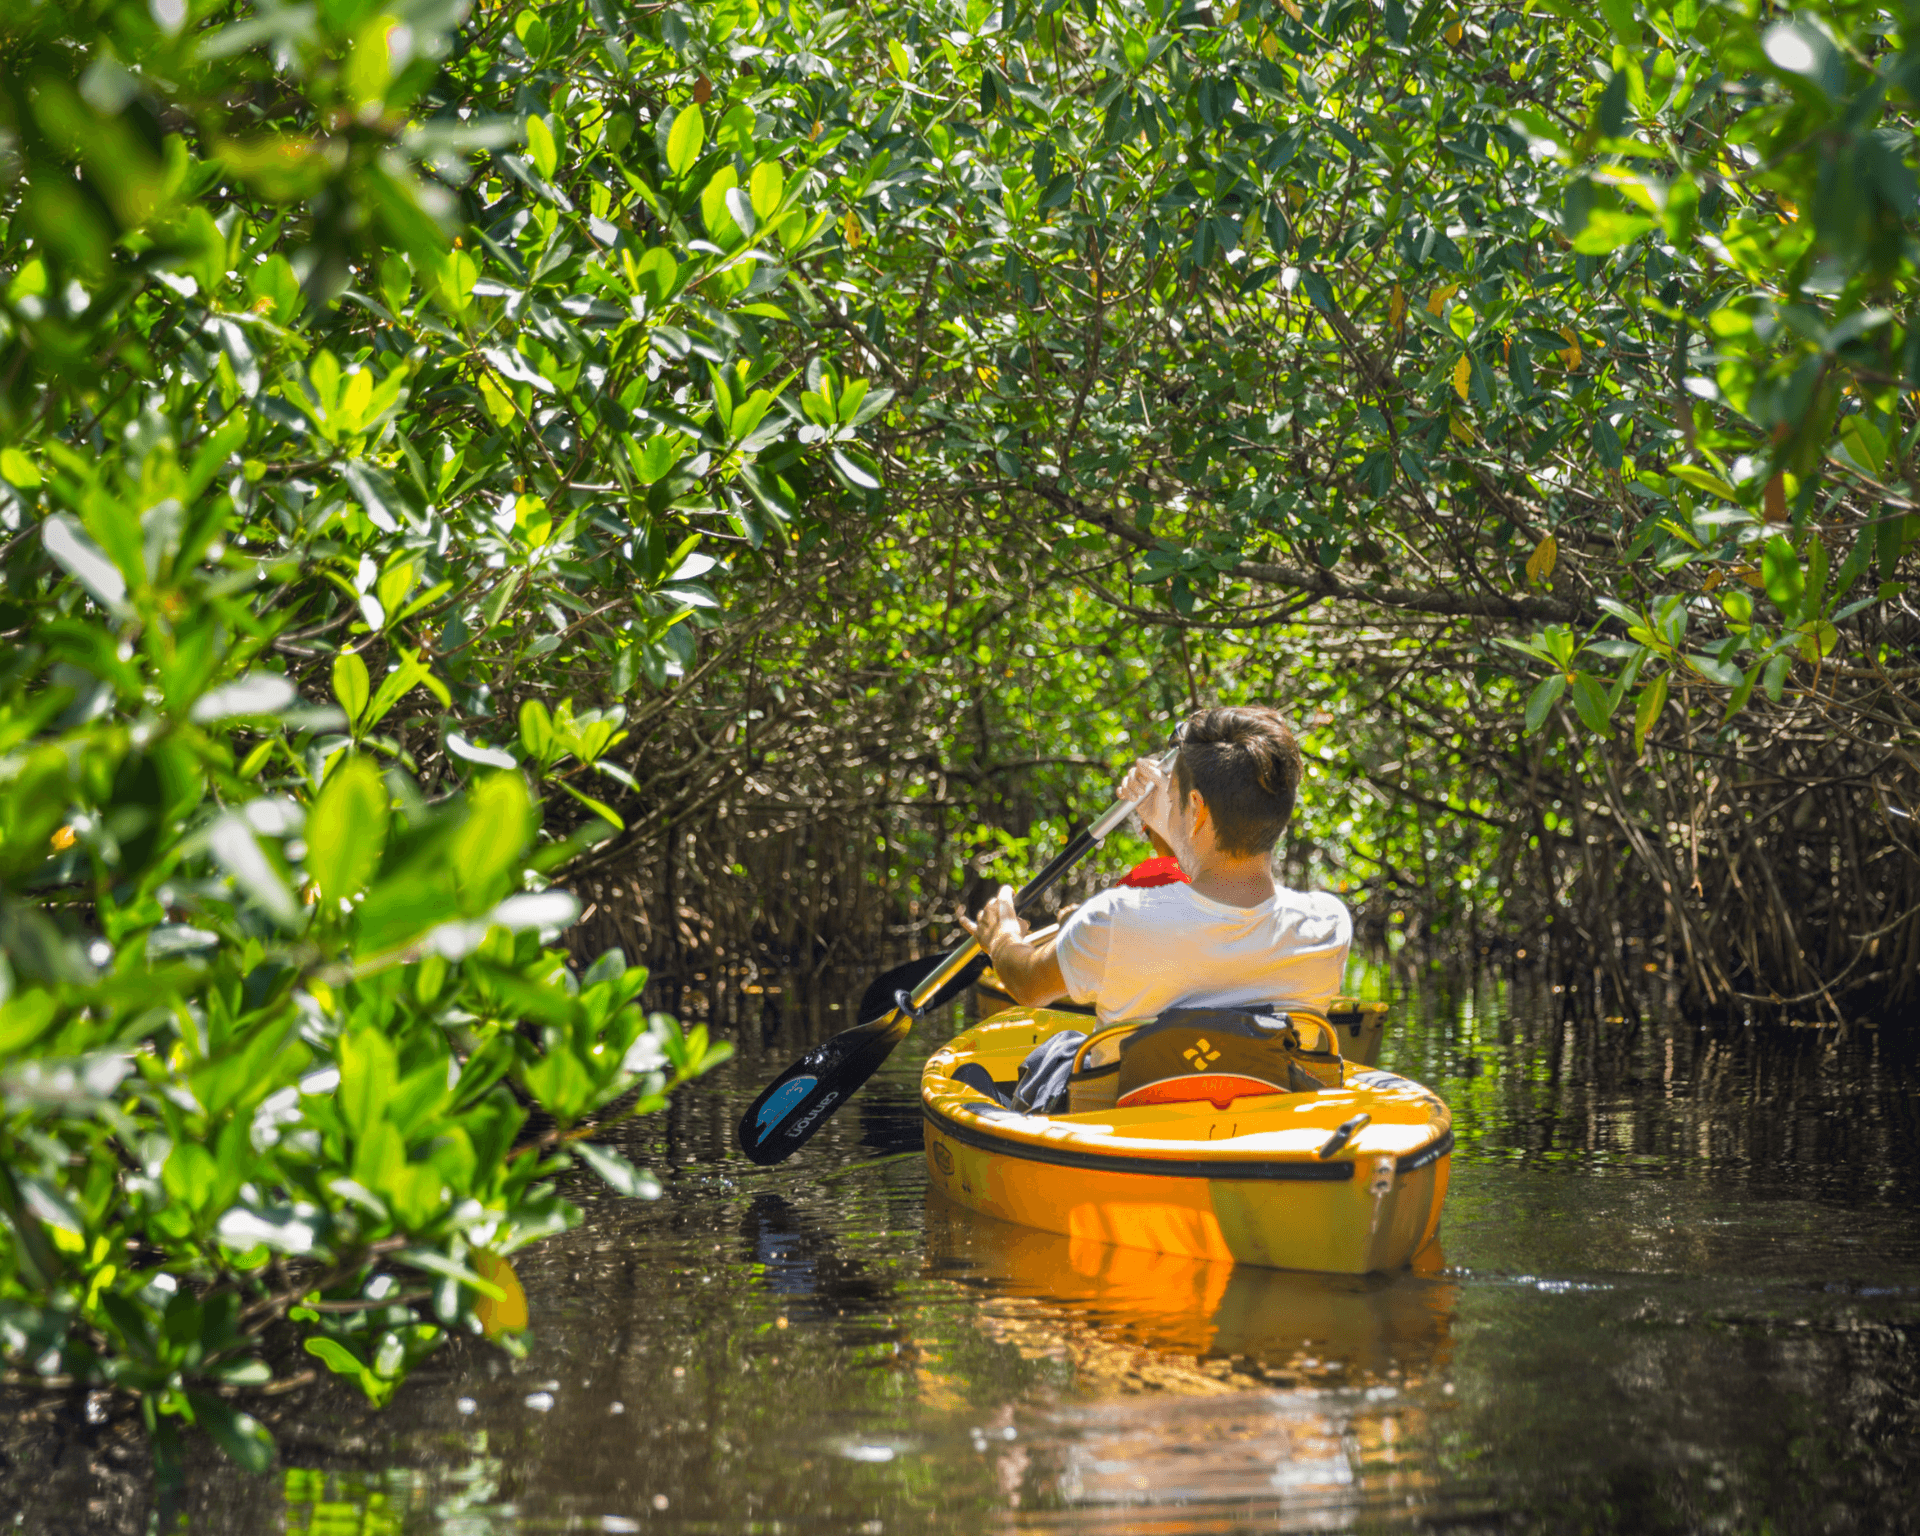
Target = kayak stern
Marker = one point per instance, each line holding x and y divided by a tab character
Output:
1245	1184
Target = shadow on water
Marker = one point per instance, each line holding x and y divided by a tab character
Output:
1680	1292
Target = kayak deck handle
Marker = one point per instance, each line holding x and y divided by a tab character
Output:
1345	1134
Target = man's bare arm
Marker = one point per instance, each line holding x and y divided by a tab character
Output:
1030	971
1026	963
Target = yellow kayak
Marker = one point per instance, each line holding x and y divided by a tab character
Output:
1271	1151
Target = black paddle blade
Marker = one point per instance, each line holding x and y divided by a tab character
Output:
797	1102
882	995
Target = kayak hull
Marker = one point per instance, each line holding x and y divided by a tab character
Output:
1244	1184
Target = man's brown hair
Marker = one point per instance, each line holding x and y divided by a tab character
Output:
1246	765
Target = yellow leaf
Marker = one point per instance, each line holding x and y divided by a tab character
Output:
850	226
1653	699
1462	428
1774	501
1572	354
1462	375
1454	33
64	838
1397	308
508	1313
1541	562
499	407
1292	8
1440	296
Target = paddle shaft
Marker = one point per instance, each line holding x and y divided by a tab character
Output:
796	1103
1078	847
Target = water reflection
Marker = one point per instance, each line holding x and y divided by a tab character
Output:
1139	1331
1131	1319
799	1261
1252	1460
1681	1292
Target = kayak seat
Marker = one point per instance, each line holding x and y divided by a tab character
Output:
1041	1087
978	1077
1223	1054
1216	1054
1093	1084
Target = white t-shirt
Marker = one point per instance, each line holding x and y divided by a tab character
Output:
1133	952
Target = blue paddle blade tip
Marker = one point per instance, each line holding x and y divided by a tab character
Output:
781	1103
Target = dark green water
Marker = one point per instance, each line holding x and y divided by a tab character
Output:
1686	1300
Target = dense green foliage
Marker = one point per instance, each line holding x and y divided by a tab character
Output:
446	453
276	999
1523	399
1585	343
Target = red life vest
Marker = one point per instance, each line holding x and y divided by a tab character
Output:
1164	870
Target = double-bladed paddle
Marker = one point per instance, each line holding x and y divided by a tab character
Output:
795	1104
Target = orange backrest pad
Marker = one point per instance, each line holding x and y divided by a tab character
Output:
1218	1088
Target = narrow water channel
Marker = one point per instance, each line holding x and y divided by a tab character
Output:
1680	1292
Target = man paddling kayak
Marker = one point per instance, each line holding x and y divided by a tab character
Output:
1228	936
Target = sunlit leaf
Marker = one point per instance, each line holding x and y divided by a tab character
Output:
346	830
1590	702
620	1174
540	146
507	1312
19	470
233	843
1781	570
258	693
1607	229
1646	710
684	139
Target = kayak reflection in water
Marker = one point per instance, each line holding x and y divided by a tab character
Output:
1217	931
1176	1323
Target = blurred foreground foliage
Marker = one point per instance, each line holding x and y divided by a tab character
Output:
295	387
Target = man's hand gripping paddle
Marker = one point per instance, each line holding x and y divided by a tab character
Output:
797	1102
